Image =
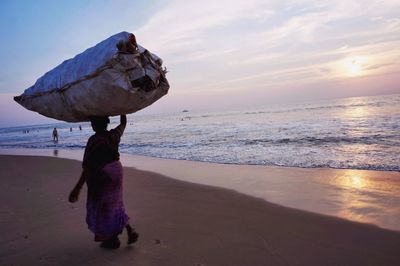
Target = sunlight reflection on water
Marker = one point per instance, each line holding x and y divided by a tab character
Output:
366	198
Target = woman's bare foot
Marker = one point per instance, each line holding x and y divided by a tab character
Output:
132	234
112	243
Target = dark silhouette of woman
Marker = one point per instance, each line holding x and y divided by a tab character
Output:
102	172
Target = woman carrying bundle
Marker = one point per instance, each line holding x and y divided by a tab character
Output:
102	172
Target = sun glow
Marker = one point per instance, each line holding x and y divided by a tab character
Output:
355	66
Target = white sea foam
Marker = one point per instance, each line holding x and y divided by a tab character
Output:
354	133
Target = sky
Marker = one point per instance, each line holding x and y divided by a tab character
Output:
220	54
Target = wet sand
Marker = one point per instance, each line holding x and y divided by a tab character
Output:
358	195
180	223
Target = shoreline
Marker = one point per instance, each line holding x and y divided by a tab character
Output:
358	195
179	223
76	154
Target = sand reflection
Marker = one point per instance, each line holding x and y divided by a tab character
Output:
353	179
362	197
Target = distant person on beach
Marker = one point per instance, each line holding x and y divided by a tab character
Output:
80	128
102	172
55	135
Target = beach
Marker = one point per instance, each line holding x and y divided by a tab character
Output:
180	223
251	133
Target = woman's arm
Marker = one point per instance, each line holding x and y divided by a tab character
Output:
122	124
74	195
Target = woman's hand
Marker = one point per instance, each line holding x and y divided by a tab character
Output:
74	195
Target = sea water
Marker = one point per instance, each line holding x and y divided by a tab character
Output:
349	133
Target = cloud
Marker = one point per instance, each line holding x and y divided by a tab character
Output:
229	42
187	24
376	66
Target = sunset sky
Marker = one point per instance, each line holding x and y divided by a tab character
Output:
220	54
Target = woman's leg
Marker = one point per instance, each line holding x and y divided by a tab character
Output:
112	243
132	234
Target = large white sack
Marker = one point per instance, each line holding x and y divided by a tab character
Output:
102	81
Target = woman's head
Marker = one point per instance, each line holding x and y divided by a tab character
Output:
99	123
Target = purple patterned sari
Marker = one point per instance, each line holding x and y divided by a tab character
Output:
105	215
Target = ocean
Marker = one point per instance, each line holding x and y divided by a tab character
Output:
348	133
